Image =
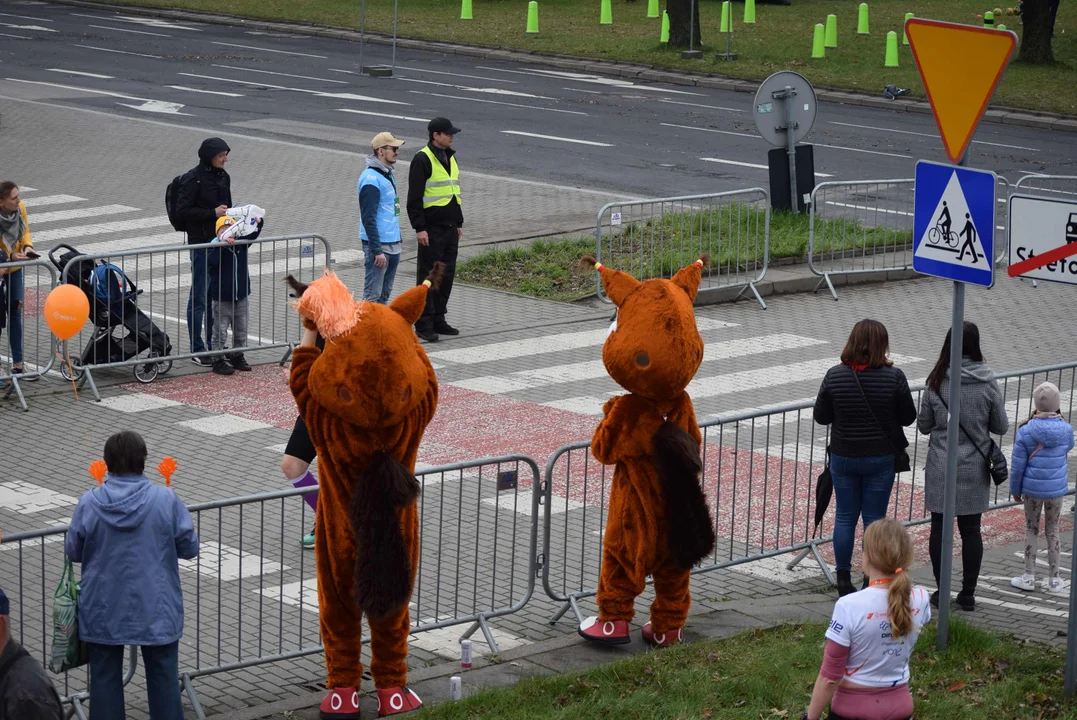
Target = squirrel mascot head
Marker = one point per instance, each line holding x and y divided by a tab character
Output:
653	348
366	340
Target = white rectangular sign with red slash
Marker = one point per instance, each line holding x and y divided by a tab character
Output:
1043	239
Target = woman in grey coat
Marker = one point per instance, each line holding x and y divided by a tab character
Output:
982	415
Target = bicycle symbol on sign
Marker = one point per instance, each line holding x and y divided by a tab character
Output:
941	232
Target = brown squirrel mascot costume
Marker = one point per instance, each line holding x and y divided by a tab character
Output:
366	400
659	523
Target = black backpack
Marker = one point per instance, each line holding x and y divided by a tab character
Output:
172	200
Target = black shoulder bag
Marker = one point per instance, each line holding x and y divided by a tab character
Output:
996	459
901	457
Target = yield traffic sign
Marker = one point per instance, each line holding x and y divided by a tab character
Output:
960	66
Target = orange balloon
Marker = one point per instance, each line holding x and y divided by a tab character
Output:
66	311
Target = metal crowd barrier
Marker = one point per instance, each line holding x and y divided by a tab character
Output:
145	325
866	226
759	474
1061	187
656	238
23	288
250	597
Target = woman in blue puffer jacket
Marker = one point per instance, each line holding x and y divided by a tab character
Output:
1038	474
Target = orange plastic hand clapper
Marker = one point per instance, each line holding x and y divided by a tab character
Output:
98	470
166	468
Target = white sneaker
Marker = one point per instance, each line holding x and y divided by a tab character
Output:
1024	582
1057	586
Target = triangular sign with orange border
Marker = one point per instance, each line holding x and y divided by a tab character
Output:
961	66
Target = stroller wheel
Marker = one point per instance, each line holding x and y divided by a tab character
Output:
147	372
164	366
65	371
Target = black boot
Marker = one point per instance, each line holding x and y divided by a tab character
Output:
845	583
966	600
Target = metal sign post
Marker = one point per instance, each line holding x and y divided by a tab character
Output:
796	98
376	70
691	53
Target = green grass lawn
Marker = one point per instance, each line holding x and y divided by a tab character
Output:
779	40
768	675
550	268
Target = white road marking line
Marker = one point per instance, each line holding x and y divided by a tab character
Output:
757	166
698	105
383	115
205	92
26	498
594	369
27	188
583	405
861	150
296	594
451	74
279	449
319	93
712	130
84	74
269	72
468	88
930	135
223	424
39	28
60	215
496	102
17	37
558	139
149	22
544	344
581	90
159	106
774	569
45	200
595	79
125	30
868	207
120	52
136	402
521	504
81	231
27	17
217	560
770	376
281	52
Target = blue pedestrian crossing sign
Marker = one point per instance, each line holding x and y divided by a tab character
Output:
954	223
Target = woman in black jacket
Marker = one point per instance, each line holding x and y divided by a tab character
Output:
866	400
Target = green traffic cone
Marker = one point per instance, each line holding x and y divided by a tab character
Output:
652	8
891	49
989	19
664	34
465	10
817	45
532	17
725	17
606	14
1000	27
862	21
749	12
831	38
904	35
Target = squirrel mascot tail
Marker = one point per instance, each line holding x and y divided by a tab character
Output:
688	520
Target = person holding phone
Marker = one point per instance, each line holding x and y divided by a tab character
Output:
15	245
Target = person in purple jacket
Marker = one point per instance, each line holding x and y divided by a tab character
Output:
129	535
1038	474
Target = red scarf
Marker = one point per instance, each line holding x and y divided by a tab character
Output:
858	367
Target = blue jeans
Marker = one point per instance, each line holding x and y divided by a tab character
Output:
16	293
378	284
861	488
162	681
197	307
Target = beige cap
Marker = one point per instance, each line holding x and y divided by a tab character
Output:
385	139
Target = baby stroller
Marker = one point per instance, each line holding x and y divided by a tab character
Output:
113	310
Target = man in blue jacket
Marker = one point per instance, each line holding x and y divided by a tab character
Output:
379	213
129	534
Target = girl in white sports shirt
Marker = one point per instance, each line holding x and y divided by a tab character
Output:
865	671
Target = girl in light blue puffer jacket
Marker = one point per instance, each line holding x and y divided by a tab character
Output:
1038	473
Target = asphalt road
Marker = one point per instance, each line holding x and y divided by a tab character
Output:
526	122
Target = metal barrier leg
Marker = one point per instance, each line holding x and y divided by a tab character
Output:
830	286
561	613
800	556
287	354
813	550
482	624
88	376
188	687
758	297
13	387
76	709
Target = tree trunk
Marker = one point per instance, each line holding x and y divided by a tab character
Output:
1036	32
679	21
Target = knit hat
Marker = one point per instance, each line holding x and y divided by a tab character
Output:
223	221
5	608
1047	398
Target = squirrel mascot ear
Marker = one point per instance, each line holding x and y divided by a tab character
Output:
619	285
410	303
688	278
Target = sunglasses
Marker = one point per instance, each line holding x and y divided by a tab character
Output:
389	147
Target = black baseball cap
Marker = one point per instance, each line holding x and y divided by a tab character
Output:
442	125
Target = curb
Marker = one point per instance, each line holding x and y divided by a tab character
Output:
633	71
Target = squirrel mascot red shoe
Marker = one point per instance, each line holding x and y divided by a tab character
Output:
659	523
366	400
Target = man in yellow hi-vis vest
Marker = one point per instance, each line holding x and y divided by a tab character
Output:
434	209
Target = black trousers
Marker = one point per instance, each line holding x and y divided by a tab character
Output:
972	549
443	247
